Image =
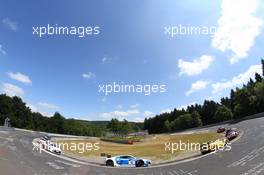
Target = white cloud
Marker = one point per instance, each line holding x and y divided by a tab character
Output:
196	86
236	81
10	24
20	77
43	108
131	115
119	106
138	119
88	75
134	106
148	114
47	114
237	28
32	107
48	106
106	59
12	90
196	66
120	115
2	50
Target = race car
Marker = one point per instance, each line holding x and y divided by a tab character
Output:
220	130
43	142
52	147
231	129
213	146
47	137
231	133
126	161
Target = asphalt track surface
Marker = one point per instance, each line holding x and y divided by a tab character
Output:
245	158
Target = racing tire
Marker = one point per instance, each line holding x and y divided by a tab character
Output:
139	163
109	163
205	152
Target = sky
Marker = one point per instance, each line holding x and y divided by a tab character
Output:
135	45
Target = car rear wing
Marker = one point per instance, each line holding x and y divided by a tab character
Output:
105	155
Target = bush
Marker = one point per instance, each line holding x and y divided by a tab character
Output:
222	114
186	121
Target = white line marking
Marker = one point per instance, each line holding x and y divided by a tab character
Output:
68	163
176	173
170	173
54	165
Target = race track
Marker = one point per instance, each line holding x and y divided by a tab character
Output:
245	158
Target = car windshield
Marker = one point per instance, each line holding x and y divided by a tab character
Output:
126	157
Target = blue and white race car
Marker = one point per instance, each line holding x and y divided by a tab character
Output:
126	161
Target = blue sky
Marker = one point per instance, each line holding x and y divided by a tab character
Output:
132	47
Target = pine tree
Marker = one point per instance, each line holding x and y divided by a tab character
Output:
258	77
232	99
262	62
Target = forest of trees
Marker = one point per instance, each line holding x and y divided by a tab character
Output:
242	102
122	128
22	117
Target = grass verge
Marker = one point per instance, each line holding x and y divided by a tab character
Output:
153	147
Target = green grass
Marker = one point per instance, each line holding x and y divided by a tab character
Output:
152	147
127	138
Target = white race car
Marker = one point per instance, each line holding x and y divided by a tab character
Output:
52	147
126	161
43	143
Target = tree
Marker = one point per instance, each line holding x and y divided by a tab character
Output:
6	109
262	62
119	128
242	103
226	102
222	114
182	122
57	123
258	77
208	110
196	119
21	117
186	121
167	126
114	125
250	83
232	100
124	128
259	90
